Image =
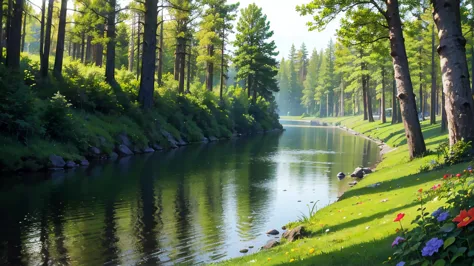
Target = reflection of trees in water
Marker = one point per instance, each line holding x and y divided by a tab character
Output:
57	205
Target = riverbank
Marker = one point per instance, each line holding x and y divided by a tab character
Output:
49	123
359	228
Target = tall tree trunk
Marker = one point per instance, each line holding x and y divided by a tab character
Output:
210	68
88	49
14	36
83	47
394	103
341	109
433	79
382	99
364	92
176	62
399	116
110	54
182	64
9	20
223	68
47	40
131	51
74	52
147	79
452	52
1	31
160	63
249	85
69	48
421	94
188	79
444	119
42	26
99	47
58	60
24	33
369	99
139	44
415	140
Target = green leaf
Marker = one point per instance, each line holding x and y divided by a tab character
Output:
447	228
462	250
426	263
448	242
470	253
456	256
440	263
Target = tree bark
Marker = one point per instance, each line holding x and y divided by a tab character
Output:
139	44
1	31
99	48
364	92
24	33
47	41
452	52
210	68
110	54
43	12
444	119
160	63
382	99
88	49
14	36
147	79
176	62
341	109
415	140
421	94
131	53
188	79
223	68
433	79
58	60
369	99
182	63
394	103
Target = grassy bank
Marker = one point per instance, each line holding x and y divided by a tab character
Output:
359	229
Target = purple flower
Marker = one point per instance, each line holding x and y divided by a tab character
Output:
397	241
401	263
432	247
469	168
437	212
443	216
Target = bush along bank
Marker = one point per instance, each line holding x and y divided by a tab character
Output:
55	123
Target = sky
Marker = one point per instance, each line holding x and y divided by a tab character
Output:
289	27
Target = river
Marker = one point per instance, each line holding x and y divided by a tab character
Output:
193	205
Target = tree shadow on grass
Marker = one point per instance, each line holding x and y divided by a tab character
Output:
368	253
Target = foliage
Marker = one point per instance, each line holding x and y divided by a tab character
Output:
457	153
444	236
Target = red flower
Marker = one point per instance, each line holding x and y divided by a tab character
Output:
435	187
464	218
399	217
445	176
458	175
420	190
470	171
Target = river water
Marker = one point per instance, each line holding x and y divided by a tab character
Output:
193	205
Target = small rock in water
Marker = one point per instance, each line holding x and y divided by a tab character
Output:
311	202
244	250
250	246
341	175
299	200
283	228
273	232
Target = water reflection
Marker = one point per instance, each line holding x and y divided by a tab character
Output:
197	204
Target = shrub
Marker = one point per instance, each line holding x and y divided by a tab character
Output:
459	152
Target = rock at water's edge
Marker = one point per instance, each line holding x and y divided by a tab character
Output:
70	164
123	139
157	147
56	161
244	250
295	233
148	150
273	232
84	163
123	150
270	244
94	151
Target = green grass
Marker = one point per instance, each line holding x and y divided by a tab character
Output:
361	226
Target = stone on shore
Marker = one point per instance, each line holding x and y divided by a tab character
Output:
123	150
273	232
94	151
148	150
56	161
244	250
294	234
70	164
270	244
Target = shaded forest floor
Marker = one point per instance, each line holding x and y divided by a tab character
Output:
359	228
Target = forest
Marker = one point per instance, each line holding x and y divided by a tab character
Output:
407	58
78	76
